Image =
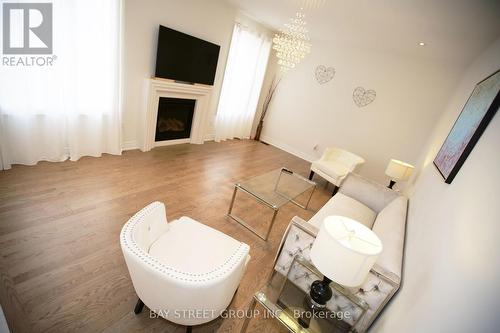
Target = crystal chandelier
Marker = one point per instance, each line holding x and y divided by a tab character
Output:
292	42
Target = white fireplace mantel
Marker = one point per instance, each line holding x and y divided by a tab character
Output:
168	88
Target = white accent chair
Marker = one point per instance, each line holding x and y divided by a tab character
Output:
335	165
181	267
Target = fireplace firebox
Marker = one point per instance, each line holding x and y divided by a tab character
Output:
175	117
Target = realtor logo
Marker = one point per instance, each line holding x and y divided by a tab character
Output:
27	28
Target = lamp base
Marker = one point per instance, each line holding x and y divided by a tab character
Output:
391	184
319	295
321	292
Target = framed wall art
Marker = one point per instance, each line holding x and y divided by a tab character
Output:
478	111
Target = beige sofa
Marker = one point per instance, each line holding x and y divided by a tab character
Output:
379	208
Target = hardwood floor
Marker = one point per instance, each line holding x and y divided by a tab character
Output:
61	267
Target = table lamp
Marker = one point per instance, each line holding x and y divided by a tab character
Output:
398	170
344	252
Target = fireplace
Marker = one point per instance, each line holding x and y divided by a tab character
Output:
175	117
165	90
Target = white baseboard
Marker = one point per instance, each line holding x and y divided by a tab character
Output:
209	137
287	148
130	145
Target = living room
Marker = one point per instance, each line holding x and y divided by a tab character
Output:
249	166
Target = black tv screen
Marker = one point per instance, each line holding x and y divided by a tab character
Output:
182	57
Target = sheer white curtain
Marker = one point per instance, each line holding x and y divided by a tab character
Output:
70	109
243	77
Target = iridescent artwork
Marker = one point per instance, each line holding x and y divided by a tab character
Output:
471	123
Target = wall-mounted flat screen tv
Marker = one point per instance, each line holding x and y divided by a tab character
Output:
185	58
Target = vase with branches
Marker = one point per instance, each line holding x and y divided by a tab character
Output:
265	106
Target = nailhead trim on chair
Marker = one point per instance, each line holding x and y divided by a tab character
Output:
131	245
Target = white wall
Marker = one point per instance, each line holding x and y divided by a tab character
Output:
209	20
411	93
452	267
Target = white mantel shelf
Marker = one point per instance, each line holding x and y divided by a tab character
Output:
168	88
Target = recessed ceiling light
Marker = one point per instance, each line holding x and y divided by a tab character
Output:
421	44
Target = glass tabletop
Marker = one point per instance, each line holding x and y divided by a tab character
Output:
277	187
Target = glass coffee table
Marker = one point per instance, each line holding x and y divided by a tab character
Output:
273	189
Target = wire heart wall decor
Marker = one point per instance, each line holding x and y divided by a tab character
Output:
363	97
324	74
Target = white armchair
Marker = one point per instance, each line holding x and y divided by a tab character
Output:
181	268
335	165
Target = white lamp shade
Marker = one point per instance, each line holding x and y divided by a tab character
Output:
399	170
345	250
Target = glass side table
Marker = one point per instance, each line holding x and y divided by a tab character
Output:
273	190
287	303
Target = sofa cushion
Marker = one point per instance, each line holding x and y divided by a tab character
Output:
192	250
390	227
343	205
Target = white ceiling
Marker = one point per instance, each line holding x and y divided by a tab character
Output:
455	31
